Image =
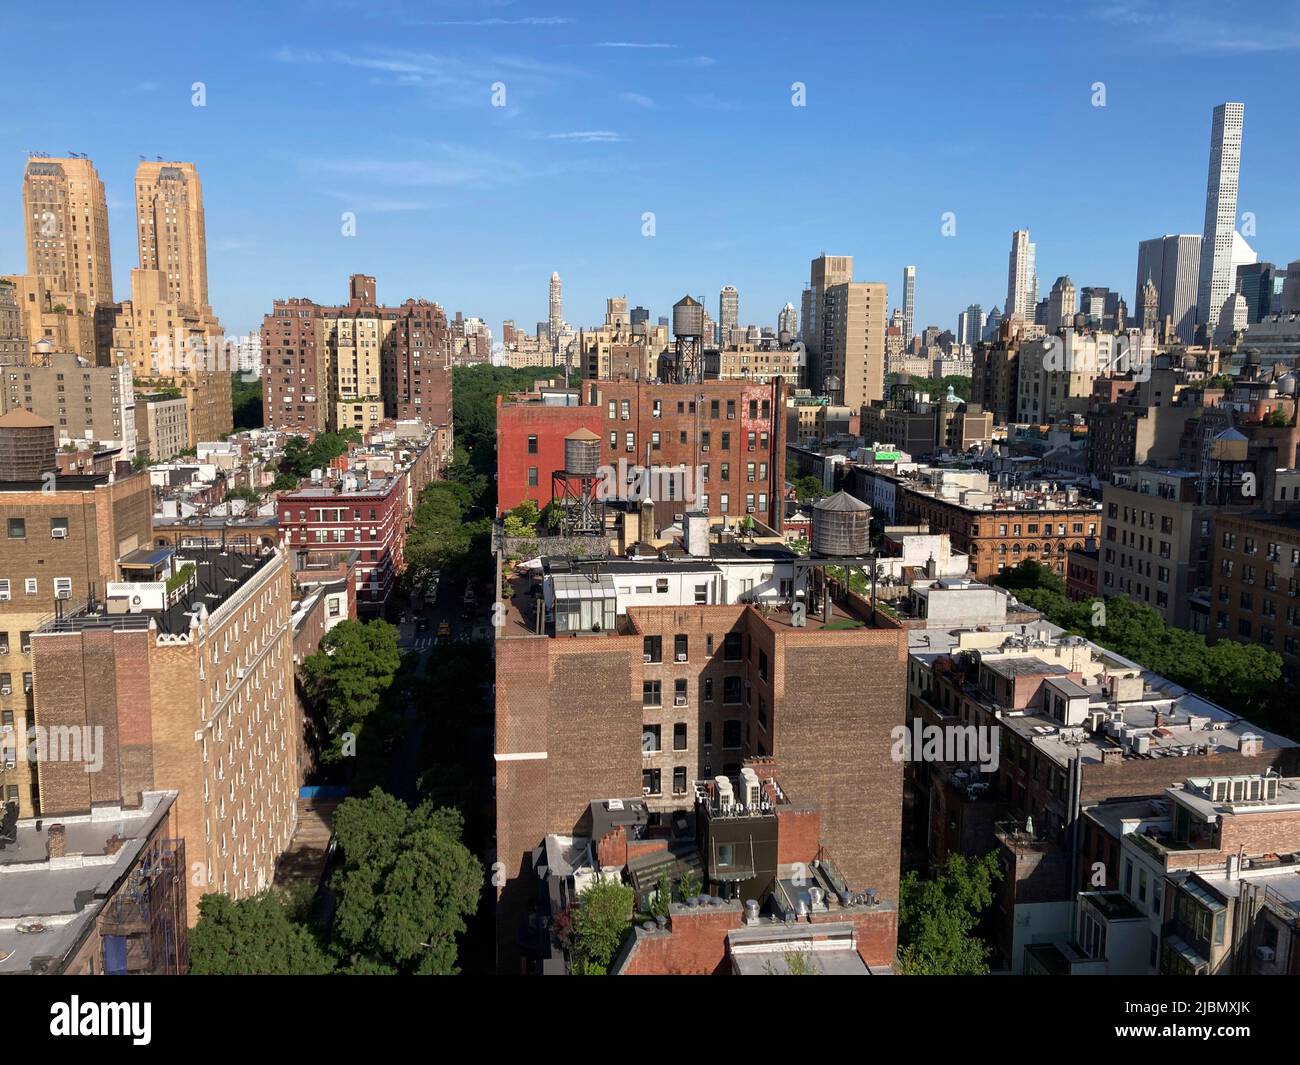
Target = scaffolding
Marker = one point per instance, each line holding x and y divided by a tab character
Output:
144	929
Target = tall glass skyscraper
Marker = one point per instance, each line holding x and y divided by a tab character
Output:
1217	280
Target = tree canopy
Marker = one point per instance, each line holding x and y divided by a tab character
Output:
257	936
405	889
600	923
301	457
349	675
937	918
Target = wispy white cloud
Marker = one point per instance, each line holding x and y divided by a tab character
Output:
592	136
638	99
697	61
1185	28
451	80
632	44
147	86
537	20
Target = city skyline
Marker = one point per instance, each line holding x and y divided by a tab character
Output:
583	120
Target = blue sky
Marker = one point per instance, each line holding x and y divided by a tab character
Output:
681	109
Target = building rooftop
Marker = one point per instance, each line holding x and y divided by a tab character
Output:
48	904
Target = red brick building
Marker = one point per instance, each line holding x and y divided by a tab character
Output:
415	362
733	430
675	694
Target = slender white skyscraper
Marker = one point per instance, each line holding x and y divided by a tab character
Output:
728	311
1216	282
788	321
1022	282
909	302
555	319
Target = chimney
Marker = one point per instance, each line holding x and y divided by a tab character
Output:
646	526
1112	755
55	842
1252	744
697	534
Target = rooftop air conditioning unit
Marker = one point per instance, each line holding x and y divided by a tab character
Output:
59	534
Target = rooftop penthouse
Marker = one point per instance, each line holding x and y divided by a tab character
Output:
164	588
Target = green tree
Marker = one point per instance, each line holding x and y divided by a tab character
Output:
523	519
601	921
257	936
808	488
937	918
243	492
246	402
347	678
406	886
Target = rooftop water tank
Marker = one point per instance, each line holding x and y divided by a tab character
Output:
582	452
841	526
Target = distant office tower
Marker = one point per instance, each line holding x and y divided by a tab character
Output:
992	324
973	331
1289	298
169	211
639	316
1216	278
826	270
852	352
909	303
1061	305
788	321
1172	263
1255	281
1022	282
728	311
66	216
555	316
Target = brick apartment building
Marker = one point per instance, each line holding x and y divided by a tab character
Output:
683	682
1157	539
62	537
1255	585
733	430
184	672
302	387
1000	529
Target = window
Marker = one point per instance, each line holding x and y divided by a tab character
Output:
708	698
679	780
681	645
732	692
701	592
650	781
62	587
650	739
532	476
4	591
532	445
650	693
731	734
17	529
58	528
731	647
679	736
30	586
679	692
652	647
